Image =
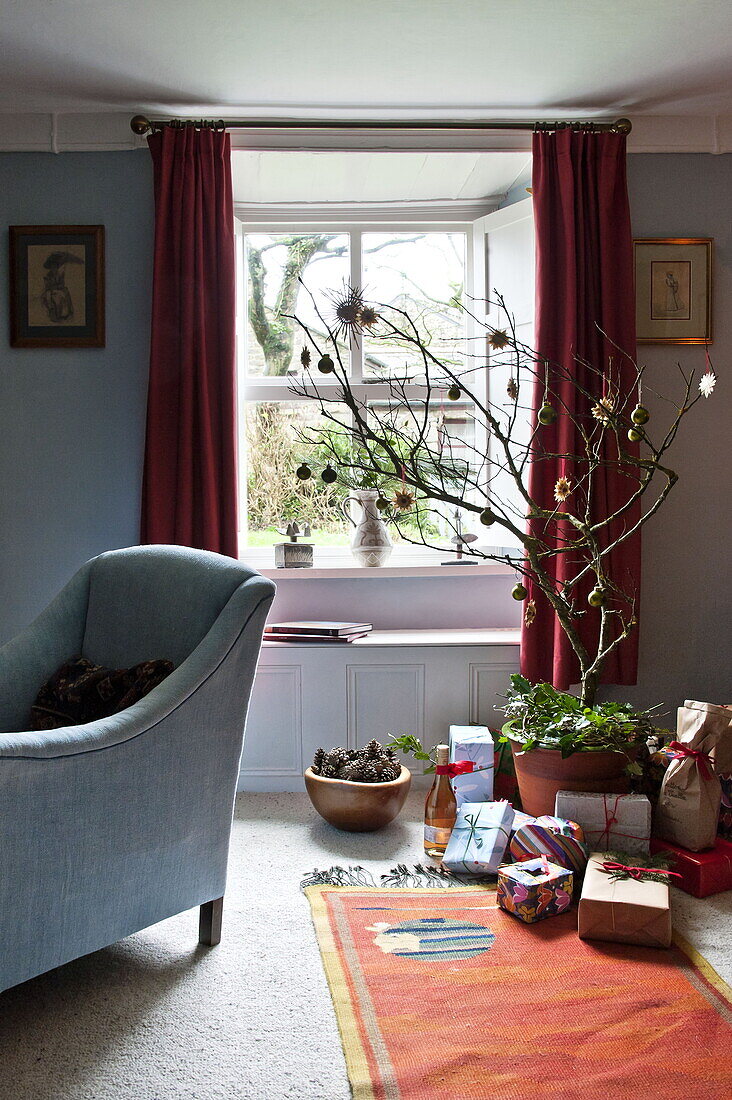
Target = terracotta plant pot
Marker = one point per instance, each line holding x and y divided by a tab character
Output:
357	807
543	772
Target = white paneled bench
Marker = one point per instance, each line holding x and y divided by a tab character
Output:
393	681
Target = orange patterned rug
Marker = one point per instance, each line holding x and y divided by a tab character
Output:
440	995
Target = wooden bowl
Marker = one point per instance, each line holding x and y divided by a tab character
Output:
357	807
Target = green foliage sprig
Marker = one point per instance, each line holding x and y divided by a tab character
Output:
659	861
539	716
407	743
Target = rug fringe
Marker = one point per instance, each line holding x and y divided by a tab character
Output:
353	875
415	877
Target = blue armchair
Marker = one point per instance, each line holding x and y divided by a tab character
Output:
111	826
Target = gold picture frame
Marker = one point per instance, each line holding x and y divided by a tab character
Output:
673	290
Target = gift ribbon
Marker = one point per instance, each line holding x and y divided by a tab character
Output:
678	751
603	840
460	767
472	828
610	867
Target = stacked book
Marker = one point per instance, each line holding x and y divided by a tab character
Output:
315	632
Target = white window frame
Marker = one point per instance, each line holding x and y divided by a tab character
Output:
278	389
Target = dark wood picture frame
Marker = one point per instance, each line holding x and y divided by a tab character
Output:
57	286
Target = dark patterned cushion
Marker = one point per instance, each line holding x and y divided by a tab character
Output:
80	691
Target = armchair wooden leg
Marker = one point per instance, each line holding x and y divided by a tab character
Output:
209	924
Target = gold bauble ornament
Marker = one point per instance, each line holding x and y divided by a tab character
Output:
596	597
519	592
547	414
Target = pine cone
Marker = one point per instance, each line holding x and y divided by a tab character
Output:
373	750
348	771
328	771
318	759
391	773
368	773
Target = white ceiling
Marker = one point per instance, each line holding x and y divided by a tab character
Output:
494	58
357	177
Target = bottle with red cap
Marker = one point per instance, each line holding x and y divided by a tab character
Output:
440	809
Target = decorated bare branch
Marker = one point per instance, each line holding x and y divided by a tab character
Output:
398	446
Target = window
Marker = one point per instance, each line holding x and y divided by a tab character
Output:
289	272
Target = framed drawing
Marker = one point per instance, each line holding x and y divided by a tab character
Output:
673	290
57	286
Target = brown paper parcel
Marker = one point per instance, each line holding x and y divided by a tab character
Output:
688	805
623	910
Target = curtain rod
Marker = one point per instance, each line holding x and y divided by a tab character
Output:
142	125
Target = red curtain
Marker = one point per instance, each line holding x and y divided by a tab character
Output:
584	279
189	488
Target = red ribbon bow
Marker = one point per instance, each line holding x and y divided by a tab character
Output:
636	872
678	751
460	767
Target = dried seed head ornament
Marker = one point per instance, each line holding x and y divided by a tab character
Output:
347	309
562	489
403	498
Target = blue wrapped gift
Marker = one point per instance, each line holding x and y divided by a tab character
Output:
479	838
474	744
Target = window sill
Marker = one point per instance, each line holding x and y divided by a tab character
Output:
500	636
355	572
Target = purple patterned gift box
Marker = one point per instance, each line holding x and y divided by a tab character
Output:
534	889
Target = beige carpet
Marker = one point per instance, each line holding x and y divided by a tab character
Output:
158	1018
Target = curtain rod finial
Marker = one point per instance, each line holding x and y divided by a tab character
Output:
140	125
622	126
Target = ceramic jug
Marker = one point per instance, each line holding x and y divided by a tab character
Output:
371	543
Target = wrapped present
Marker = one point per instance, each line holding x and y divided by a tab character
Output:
505	784
609	821
701	873
520	819
472	745
560	840
479	837
624	903
722	757
534	889
689	803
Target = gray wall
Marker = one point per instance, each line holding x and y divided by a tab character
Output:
72	420
72	428
686	601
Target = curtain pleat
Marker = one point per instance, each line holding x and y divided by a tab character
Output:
189	494
585	319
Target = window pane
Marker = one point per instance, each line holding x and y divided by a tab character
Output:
274	448
274	263
420	273
450	437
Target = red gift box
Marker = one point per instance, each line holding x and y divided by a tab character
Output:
702	873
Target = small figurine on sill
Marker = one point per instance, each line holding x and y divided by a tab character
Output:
294	554
460	541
